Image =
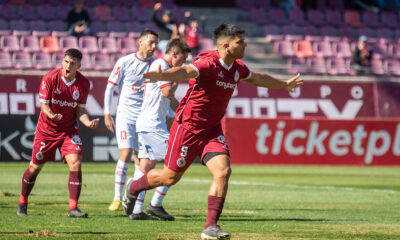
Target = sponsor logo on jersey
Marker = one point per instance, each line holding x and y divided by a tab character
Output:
137	88
64	103
76	140
75	94
226	85
236	76
57	91
220	74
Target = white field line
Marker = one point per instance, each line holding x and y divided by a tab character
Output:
267	184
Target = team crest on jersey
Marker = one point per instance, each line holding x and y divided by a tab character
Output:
236	76
181	162
39	156
76	140
75	94
116	70
220	74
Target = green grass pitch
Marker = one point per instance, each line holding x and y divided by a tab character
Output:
263	202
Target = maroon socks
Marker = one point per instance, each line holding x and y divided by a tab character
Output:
140	185
215	206
28	181
74	188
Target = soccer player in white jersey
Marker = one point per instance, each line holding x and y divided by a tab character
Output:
152	128
127	76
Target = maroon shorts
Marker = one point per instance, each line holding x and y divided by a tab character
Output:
184	146
44	148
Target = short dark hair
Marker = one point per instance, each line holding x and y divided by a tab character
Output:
228	30
148	32
73	53
178	43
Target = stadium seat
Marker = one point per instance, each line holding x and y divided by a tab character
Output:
29	44
206	44
22	60
394	50
296	65
278	16
26	12
352	19
321	5
377	66
8	12
146	3
133	27
59	33
114	57
88	44
57	58
334	18
264	4
103	13
311	31
315	17
335	4
41	61
244	4
150	25
292	30
369	32
316	65
97	27
101	62
258	16
272	33
86	63
384	33
303	49
9	43
296	16
56	25
341	49
116	29
37	25
126	45
4	29
140	17
336	65
68	42
18	25
328	31
46	12
392	67
284	48
122	13
371	19
322	49
107	45
380	48
60	11
347	32
5	60
49	44
389	19
397	34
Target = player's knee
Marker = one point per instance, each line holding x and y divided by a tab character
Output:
225	172
170	181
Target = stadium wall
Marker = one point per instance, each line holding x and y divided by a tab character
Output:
339	107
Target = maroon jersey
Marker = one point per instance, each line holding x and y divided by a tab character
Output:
208	95
63	97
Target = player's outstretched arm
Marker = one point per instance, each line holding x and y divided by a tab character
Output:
264	80
48	113
83	116
175	74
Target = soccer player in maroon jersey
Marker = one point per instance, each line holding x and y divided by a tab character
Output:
197	127
63	94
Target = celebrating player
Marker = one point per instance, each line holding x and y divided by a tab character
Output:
197	126
152	128
127	75
63	93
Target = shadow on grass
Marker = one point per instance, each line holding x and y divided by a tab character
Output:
240	218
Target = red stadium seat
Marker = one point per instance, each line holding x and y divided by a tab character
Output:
103	13
49	44
303	49
352	18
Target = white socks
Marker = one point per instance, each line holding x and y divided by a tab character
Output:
159	195
121	171
139	201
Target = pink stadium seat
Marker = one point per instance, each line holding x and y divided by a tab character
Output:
341	49
46	12
389	19
68	42
41	61
303	49
22	60
103	13
316	65
29	44
352	19
49	44
107	45
284	48
86	63
296	65
380	48
334	18
9	43
336	65
322	49
56	59
377	66
394	50
392	67
5	60
126	45
101	62
59	33
88	44
315	17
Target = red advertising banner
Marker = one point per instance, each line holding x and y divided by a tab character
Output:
330	99
313	141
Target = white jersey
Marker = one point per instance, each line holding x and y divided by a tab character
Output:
152	117
127	75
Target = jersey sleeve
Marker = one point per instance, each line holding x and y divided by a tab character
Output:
45	90
117	73
201	65
245	72
164	66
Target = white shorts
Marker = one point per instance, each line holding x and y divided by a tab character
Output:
153	145
126	135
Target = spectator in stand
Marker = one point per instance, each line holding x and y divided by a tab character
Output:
386	4
286	5
192	36
167	28
361	56
78	20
